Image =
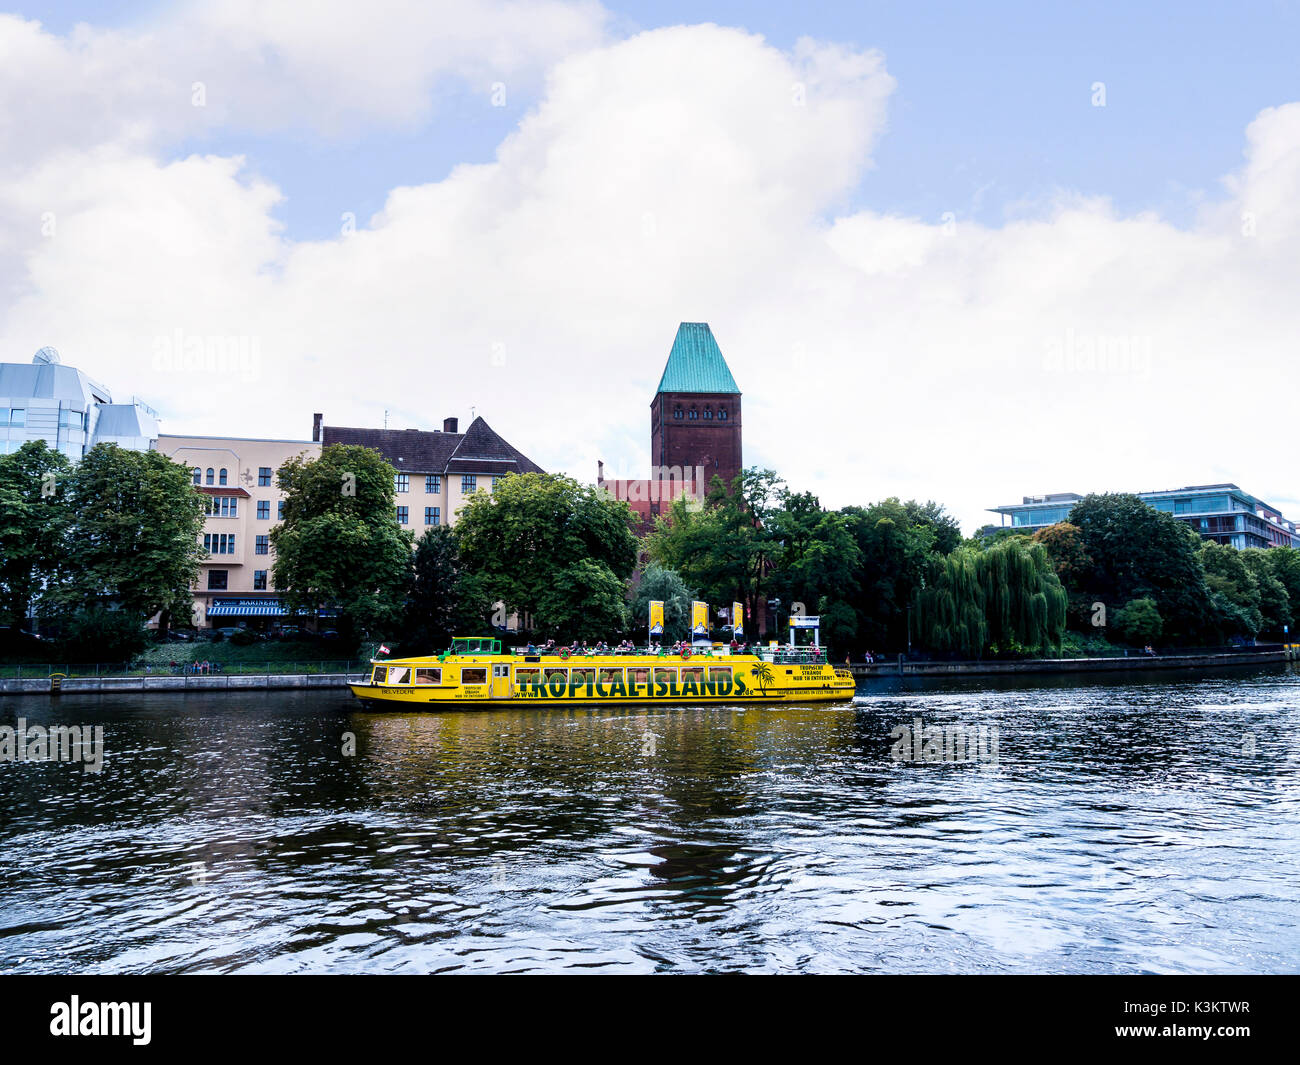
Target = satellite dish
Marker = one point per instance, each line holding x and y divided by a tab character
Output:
49	356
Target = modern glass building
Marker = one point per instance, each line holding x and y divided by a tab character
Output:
1220	512
45	400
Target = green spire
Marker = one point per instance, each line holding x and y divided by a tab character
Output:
696	364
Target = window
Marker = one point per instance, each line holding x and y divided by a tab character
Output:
608	676
722	414
428	676
639	676
665	676
221	506
678	414
432	515
557	679
263	510
468	484
18	416
526	676
401	482
720	675
217	580
259	580
399	675
279	510
221	477
219	543
477	675
708	415
198	475
209	479
433	484
495	481
262	546
264	477
694	415
403	515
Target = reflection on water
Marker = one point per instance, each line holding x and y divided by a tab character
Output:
1135	823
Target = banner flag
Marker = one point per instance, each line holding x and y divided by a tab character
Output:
738	619
699	618
656	617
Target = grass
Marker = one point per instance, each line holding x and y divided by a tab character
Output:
157	659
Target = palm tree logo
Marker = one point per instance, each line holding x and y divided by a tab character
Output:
763	674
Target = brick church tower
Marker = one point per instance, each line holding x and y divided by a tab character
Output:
695	414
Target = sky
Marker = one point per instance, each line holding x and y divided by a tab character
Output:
954	252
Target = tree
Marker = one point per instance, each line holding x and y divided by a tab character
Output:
1138	621
817	563
659	583
1234	592
1284	562
339	544
536	538
132	536
33	519
1276	607
728	548
1140	552
444	601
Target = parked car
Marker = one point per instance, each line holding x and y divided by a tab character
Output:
329	634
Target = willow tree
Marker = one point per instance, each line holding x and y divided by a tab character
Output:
1006	597
949	613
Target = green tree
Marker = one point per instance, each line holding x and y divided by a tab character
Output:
817	563
33	521
1139	622
444	601
728	548
1140	552
1284	562
950	605
132	535
659	583
339	544
1234	591
536	538
1275	602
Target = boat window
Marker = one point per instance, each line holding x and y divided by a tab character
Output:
639	674
665	675
554	671
719	673
477	675
526	675
428	676
500	671
608	675
379	674
399	675
695	673
584	675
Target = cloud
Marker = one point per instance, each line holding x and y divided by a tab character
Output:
687	173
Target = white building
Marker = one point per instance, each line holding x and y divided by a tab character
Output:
71	412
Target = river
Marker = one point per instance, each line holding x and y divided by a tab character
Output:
1112	824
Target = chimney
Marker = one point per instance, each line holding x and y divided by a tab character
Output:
449	425
315	427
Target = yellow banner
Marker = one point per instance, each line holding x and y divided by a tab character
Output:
738	618
699	618
656	617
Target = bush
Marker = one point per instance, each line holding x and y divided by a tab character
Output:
1139	621
243	637
99	635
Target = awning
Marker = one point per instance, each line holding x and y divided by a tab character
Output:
260	608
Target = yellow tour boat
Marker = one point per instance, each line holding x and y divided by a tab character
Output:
476	673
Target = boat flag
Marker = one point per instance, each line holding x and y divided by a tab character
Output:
699	618
738	619
383	650
656	617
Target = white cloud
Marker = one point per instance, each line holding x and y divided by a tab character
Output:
690	173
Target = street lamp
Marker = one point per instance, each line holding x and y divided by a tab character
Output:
774	605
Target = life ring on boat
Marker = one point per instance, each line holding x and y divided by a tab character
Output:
564	652
686	652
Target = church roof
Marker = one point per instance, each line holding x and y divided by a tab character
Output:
419	451
696	364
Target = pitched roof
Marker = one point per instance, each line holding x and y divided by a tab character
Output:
696	364
420	451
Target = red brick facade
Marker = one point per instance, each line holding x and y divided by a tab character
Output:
690	429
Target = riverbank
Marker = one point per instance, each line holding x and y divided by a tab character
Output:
185	682
899	667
